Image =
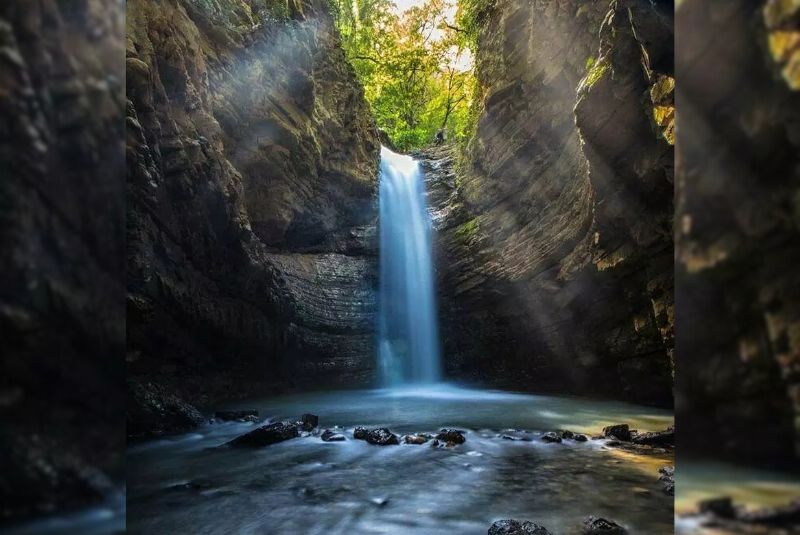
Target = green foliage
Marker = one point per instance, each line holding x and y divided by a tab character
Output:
411	67
471	16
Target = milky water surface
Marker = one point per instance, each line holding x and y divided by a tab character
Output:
187	484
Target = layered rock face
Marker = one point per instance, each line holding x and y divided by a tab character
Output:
738	288
62	318
252	180
555	236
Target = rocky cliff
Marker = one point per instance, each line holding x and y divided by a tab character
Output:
62	200
737	221
555	235
252	174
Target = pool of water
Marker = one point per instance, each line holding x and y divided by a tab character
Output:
186	484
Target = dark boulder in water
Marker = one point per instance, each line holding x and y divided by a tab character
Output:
515	527
595	525
451	437
721	507
416	439
309	421
360	433
266	435
241	415
618	431
657	438
330	436
551	437
382	437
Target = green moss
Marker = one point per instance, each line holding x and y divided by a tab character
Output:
468	229
595	72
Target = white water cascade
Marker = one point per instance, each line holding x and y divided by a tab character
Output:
408	334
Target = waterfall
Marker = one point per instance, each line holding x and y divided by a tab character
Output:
408	335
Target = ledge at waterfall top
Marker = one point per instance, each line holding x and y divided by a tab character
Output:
408	335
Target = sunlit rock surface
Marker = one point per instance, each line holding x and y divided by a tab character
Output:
252	166
555	235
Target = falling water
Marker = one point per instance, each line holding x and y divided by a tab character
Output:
408	337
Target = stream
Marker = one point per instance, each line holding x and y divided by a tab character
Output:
187	484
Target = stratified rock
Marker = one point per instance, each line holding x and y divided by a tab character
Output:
451	437
551	436
600	526
309	421
155	411
360	433
563	200
245	414
416	439
665	438
251	199
266	435
382	437
516	527
330	436
618	431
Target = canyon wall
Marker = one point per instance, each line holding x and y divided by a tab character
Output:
252	181
737	231
62	230
555	233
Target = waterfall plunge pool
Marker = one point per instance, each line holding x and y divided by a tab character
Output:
186	484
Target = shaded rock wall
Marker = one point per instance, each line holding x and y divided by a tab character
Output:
252	172
555	235
62	321
737	222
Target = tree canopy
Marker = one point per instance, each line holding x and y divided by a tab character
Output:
415	67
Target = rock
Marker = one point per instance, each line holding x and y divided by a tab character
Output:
618	431
451	437
781	516
668	478
515	527
243	415
266	435
382	437
154	411
566	434
360	433
330	436
309	421
580	438
415	439
601	526
551	436
656	438
435	443
379	501
721	507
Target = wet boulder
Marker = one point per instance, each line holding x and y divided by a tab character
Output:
266	435
382	437
360	433
579	438
245	415
451	437
516	527
665	438
595	525
308	421
618	431
720	507
551	436
416	439
331	436
668	478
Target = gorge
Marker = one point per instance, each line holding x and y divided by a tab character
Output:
310	268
